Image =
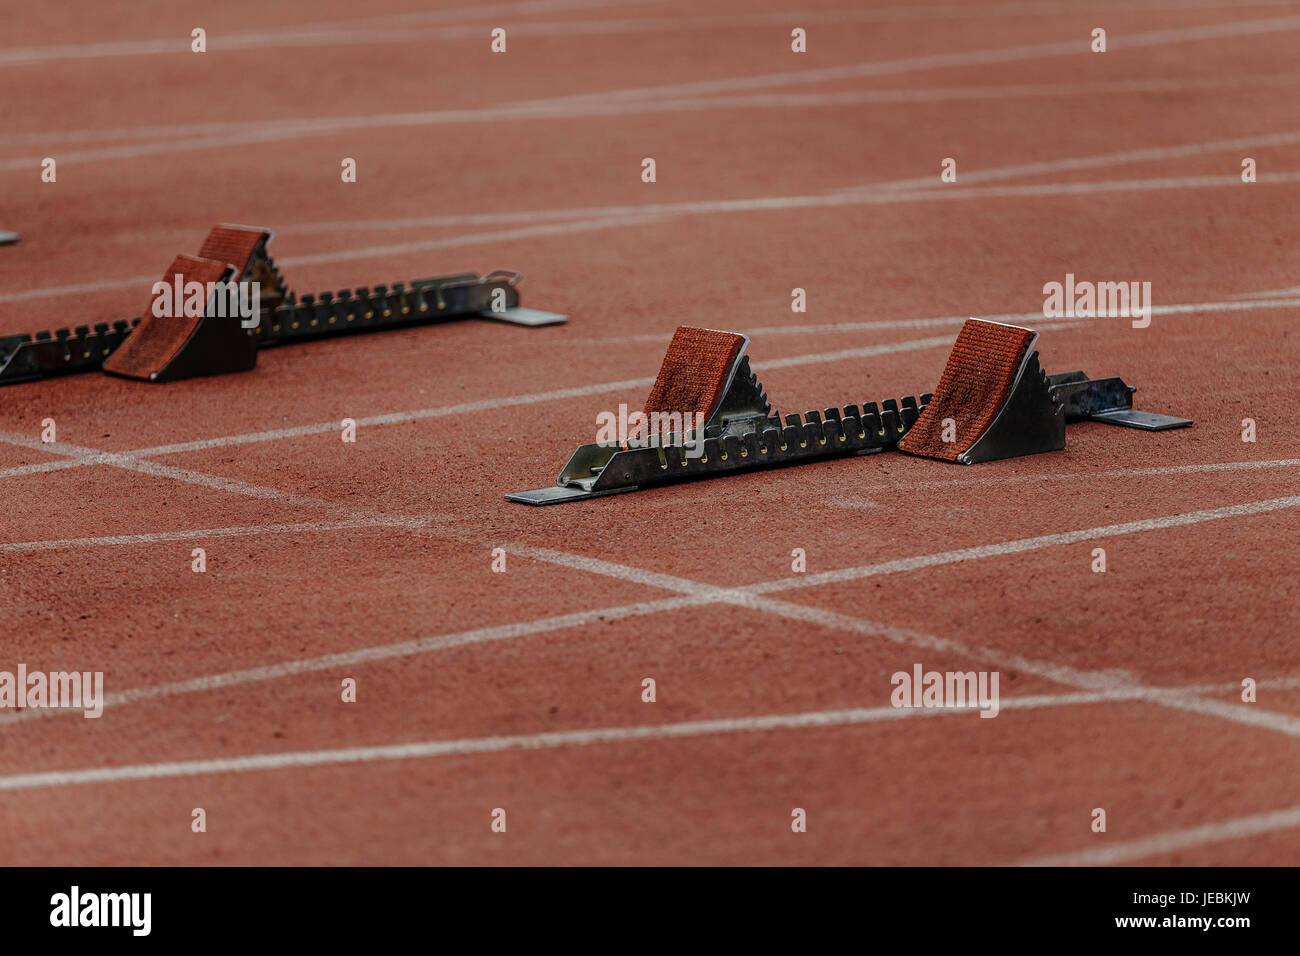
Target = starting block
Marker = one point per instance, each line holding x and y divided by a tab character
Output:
167	349
706	375
170	348
993	401
8	238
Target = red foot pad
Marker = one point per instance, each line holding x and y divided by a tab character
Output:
157	340
694	373
980	373
233	244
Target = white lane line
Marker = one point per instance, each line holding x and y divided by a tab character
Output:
372	252
1219	181
1023	545
1172	841
424	645
1249	714
1207	467
327	33
840	328
542	741
618	217
1146	154
617	102
376	519
1117	40
162	537
823	617
803	100
446	23
421	28
90	456
886	193
694	594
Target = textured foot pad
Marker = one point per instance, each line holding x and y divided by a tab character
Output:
975	384
695	371
234	244
157	341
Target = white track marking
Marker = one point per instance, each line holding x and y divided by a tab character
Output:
1174	840
841	328
883	193
382	652
328	33
78	288
893	191
158	537
1187	308
89	456
422	28
372	252
1118	41
1147	154
823	617
549	740
783	101
1251	714
1023	545
1093	475
616	102
504	235
613	217
398	418
698	593
43	467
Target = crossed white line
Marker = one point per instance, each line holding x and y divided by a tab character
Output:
1094	686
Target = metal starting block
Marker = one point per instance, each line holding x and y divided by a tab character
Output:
993	401
706	372
164	349
8	238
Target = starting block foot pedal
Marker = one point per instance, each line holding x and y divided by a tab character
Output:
719	421
993	401
8	238
172	347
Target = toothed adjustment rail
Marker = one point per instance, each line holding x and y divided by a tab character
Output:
741	433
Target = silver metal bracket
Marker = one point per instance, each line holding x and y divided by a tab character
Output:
1107	400
519	315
